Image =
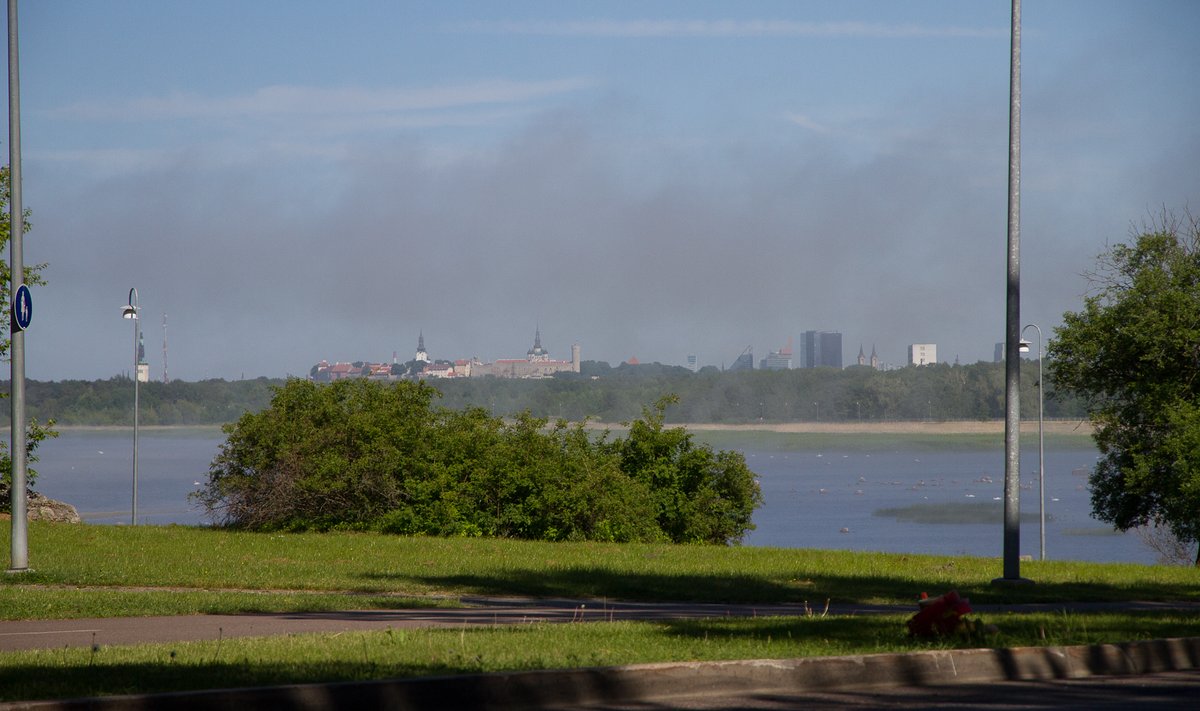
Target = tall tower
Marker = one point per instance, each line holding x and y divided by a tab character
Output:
537	353
165	378
421	356
143	368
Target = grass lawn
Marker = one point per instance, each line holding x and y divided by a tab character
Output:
84	571
150	559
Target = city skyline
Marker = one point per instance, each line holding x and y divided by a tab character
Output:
291	182
795	361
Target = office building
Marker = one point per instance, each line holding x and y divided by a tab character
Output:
822	349
922	354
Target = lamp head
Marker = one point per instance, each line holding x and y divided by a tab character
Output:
129	311
1023	345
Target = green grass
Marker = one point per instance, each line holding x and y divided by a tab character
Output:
63	673
19	602
109	559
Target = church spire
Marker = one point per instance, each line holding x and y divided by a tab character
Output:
421	356
537	353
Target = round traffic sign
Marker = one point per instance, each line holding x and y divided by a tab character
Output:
22	308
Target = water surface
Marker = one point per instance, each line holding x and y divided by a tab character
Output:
813	499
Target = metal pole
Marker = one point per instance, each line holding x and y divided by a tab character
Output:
1041	446
134	307
1041	451
1012	364
20	542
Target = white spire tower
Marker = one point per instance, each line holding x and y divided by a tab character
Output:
165	378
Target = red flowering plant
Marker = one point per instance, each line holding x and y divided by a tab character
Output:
942	616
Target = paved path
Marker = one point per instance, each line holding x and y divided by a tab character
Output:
478	611
56	634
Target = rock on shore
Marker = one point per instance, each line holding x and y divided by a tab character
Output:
41	508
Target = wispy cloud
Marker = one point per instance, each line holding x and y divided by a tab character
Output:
804	121
318	101
729	28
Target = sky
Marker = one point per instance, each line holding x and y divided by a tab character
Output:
291	181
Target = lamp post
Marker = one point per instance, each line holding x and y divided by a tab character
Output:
19	540
1024	348
131	312
1012	320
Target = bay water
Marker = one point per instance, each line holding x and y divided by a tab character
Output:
895	500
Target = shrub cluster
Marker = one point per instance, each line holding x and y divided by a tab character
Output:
363	455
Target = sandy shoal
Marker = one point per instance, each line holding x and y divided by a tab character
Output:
1062	427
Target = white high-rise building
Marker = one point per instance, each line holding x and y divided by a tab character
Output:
922	354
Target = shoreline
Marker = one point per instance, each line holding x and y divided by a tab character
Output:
949	427
913	427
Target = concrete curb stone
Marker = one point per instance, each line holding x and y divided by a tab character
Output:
647	682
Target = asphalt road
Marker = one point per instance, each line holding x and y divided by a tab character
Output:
56	634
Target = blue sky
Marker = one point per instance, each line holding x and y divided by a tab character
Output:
293	181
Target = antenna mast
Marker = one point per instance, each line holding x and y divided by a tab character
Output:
165	378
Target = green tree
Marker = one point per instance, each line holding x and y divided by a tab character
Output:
1133	354
699	496
362	455
35	433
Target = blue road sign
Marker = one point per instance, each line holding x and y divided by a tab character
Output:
22	308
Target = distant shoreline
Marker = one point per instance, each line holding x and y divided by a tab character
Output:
915	427
1057	427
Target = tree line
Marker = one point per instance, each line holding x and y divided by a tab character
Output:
603	393
857	393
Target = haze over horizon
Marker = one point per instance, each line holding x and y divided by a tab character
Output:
297	181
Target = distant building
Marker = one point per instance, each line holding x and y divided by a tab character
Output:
421	355
536	363
822	349
325	372
778	360
998	355
745	361
143	368
922	354
691	363
862	357
440	369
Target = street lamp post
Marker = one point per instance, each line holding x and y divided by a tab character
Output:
131	312
1012	319
1024	347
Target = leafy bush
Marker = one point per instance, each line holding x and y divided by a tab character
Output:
35	434
364	455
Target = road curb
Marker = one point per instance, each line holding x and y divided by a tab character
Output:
649	682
